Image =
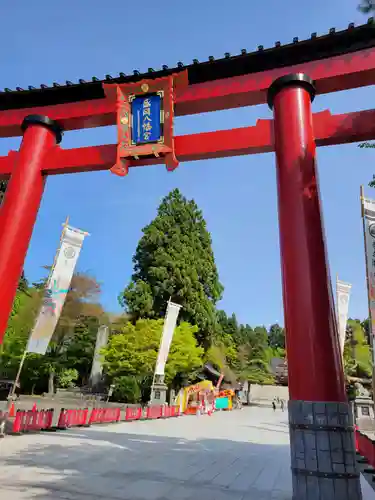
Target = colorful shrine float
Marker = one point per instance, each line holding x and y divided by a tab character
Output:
196	398
224	400
204	397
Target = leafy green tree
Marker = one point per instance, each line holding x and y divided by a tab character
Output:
254	356
68	345
21	322
227	325
223	357
367	6
34	374
276	337
174	258
366	328
185	356
80	347
133	352
246	335
350	364
67	378
276	341
241	351
81	302
256	370
23	284
257	342
222	353
369	145
127	389
357	348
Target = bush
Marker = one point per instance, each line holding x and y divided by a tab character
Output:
126	390
67	378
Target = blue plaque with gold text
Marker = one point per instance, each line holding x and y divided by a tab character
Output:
146	119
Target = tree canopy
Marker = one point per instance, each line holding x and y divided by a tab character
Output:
357	352
73	342
174	259
277	339
132	354
367	6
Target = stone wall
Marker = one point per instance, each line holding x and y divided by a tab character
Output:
265	393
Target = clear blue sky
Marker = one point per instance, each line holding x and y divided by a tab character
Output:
43	42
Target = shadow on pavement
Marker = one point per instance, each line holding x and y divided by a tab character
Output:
107	464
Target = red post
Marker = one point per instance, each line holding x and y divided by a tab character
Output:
21	204
314	363
318	408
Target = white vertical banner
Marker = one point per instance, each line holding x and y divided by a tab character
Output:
56	290
368	208
170	321
342	296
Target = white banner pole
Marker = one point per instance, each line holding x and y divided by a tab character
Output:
158	388
16	381
57	288
170	321
368	218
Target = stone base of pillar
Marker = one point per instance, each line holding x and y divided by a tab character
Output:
323	453
158	394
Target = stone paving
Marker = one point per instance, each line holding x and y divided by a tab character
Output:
239	455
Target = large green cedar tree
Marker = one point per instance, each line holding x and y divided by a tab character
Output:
174	259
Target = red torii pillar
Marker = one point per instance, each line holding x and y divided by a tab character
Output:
320	420
20	206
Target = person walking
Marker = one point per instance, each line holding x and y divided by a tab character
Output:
274	405
282	405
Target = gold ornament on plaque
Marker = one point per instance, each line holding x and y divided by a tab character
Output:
144	87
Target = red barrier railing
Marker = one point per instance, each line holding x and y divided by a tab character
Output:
17	422
94	415
175	411
171	411
167	411
35	421
72	418
133	414
366	447
154	412
32	421
105	415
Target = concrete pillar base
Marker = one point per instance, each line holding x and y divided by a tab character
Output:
159	390
323	453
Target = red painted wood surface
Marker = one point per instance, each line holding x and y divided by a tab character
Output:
337	73
328	129
315	371
19	211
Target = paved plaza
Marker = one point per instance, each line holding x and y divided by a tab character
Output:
239	455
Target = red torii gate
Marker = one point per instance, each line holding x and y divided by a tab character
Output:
287	77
